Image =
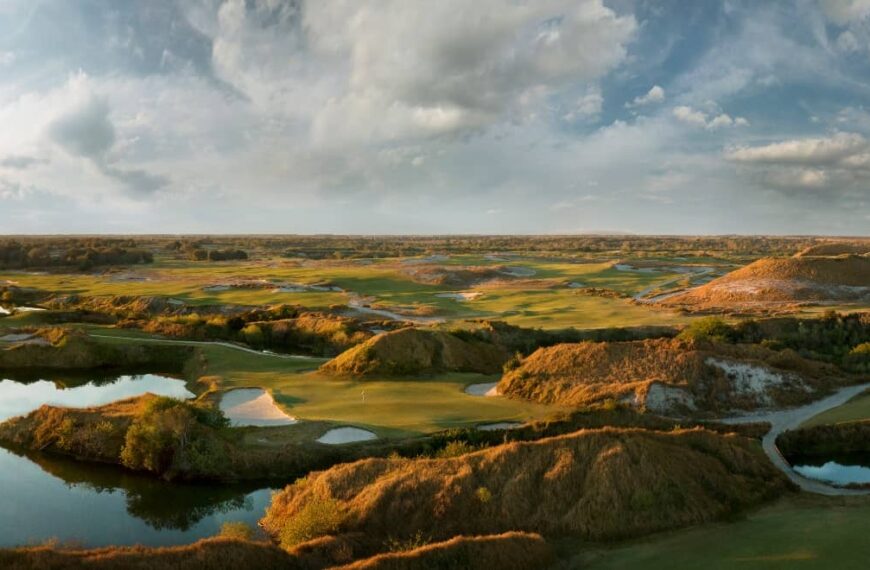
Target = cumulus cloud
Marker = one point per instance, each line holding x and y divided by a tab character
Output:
696	118
587	106
655	95
85	130
839	162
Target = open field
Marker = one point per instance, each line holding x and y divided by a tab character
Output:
858	408
806	532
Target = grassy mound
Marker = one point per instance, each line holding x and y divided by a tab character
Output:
66	349
209	554
418	351
667	375
786	280
596	484
508	551
457	277
835	248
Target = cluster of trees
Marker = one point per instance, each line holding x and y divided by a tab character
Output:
217	254
842	339
16	254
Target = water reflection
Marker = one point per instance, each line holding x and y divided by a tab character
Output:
23	394
839	469
44	496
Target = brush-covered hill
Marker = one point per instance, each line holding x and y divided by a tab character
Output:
598	484
668	376
783	281
419	351
836	248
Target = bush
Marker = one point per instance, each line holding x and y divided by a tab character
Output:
455	449
238	530
320	517
712	328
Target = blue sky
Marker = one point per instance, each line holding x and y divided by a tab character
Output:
403	116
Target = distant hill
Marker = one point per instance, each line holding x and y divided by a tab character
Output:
777	281
414	351
836	248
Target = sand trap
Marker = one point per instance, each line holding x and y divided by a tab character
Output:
576	285
466	296
5	311
483	389
24	338
499	426
342	435
216	288
253	407
29	309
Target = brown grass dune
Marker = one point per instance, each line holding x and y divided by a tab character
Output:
413	351
595	484
666	375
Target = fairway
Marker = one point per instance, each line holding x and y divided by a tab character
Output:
856	409
809	533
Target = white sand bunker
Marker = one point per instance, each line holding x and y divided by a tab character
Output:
483	389
499	426
465	296
337	436
5	311
576	285
253	407
28	309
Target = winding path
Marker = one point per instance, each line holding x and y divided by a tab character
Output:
208	343
782	420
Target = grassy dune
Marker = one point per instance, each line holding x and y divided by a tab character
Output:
597	484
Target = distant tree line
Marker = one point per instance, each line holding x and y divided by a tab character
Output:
18	255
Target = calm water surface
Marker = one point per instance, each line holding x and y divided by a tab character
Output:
46	497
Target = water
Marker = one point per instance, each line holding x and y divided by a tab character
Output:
843	469
46	496
23	395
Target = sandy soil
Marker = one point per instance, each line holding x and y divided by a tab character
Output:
338	436
483	389
253	407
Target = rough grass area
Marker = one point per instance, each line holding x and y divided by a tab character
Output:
596	484
809	533
418	351
668	375
508	551
211	554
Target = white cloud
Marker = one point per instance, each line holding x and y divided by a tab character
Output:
655	95
836	149
587	106
841	12
696	118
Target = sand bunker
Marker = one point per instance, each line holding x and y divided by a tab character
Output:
465	296
632	269
499	426
253	407
5	311
28	309
338	436
483	389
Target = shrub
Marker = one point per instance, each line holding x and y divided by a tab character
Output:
455	449
320	517
707	328
483	495
414	542
237	529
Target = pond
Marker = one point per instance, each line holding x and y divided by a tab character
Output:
46	497
841	469
23	395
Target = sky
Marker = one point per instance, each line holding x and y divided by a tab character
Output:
447	116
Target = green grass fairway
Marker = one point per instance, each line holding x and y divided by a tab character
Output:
806	533
389	407
541	300
858	408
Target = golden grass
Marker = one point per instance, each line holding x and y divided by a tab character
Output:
586	373
508	551
596	484
415	351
